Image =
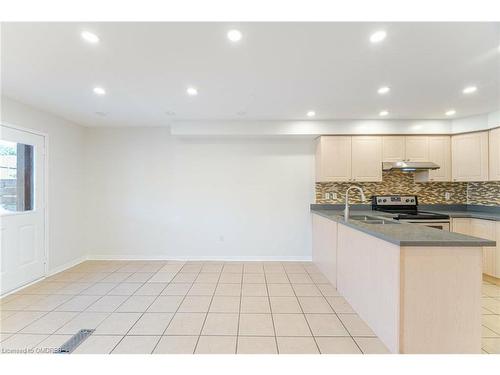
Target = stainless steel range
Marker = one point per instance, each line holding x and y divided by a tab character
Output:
405	208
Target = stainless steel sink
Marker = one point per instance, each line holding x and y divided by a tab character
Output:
367	219
378	221
362	217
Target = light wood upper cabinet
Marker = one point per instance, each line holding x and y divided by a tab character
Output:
469	154
393	148
349	158
417	148
333	158
494	151
440	153
366	158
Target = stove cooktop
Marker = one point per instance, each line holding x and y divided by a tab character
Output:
421	215
403	207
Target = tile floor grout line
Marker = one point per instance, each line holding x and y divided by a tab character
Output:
178	307
349	332
301	309
341	322
209	305
115	310
239	311
142	314
43	292
53	310
271	310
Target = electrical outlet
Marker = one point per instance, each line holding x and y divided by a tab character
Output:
334	196
447	196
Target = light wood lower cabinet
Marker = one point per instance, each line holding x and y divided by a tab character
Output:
487	229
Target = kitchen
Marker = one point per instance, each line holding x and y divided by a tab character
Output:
231	195
399	174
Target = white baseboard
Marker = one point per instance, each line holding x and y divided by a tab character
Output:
67	265
201	258
58	269
21	287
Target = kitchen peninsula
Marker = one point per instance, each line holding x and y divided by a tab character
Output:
418	288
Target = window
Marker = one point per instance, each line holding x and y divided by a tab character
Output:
16	177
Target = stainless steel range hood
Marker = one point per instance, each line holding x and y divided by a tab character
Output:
409	166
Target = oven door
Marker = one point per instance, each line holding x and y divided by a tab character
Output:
437	224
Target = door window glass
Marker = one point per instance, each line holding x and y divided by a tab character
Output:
16	177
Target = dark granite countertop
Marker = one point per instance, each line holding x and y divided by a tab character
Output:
403	234
469	214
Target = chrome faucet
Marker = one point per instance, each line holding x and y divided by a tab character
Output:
346	210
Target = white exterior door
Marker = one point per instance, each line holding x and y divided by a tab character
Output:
22	208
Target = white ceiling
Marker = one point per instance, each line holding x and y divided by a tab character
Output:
278	71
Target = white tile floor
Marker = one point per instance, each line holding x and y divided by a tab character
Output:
197	307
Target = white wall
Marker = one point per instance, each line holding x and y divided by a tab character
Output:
310	128
152	195
474	123
66	156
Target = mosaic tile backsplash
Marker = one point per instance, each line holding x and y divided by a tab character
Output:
484	193
397	182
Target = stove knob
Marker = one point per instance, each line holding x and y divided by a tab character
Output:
385	200
407	200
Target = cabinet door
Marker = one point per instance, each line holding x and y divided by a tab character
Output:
324	246
393	148
494	151
461	225
440	153
486	229
417	148
366	158
333	159
469	157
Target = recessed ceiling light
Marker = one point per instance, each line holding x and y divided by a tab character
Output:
469	90
451	112
90	37
99	91
383	113
234	35
192	91
311	114
103	114
378	36
384	90
170	113
241	113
